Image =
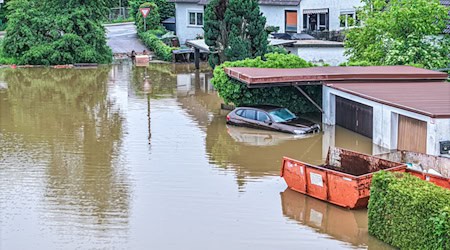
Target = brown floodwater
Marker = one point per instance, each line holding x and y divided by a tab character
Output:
140	158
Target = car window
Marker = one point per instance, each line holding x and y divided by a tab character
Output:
249	114
239	112
261	116
282	115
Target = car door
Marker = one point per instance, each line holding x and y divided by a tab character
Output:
249	118
263	120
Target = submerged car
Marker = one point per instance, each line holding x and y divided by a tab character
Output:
271	118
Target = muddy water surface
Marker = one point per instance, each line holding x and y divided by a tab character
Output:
140	158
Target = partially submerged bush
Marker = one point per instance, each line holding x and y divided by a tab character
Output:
409	213
233	91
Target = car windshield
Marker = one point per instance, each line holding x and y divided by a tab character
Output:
282	115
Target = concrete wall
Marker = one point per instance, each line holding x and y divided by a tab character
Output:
385	121
335	8
329	55
275	16
184	30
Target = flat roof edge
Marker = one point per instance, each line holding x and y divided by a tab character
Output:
268	76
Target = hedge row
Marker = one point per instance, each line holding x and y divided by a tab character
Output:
239	94
409	213
162	50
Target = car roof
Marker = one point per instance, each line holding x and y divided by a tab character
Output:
262	107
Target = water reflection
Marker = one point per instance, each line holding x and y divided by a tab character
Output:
63	126
340	223
77	170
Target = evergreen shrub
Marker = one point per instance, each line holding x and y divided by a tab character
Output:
237	93
409	213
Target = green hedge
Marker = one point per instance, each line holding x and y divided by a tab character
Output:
409	213
162	50
235	92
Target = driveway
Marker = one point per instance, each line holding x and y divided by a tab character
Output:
122	38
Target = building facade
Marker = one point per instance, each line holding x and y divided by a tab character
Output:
289	15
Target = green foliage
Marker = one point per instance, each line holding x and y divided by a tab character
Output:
156	45
152	19
235	92
272	29
56	32
277	49
235	30
4	60
166	9
409	213
401	32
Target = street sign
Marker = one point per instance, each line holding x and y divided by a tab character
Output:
144	12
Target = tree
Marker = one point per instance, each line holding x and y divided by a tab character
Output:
153	19
165	8
234	30
400	32
56	32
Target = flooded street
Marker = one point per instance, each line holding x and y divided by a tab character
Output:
141	158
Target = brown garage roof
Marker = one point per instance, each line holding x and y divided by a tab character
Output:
427	98
261	77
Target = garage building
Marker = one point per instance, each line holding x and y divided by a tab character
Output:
399	107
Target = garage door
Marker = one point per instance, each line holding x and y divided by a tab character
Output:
412	134
354	116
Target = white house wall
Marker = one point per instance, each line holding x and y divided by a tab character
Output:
385	121
275	16
184	30
335	8
329	55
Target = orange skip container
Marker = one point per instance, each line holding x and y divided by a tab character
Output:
343	180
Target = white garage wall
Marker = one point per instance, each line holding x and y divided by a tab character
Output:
385	121
329	55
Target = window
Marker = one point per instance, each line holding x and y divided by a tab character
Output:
290	21
315	19
239	112
282	115
347	20
196	18
249	114
262	117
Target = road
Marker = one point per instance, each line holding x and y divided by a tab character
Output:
122	38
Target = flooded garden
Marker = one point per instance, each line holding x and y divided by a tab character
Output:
141	157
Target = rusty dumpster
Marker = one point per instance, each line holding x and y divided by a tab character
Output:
343	180
430	168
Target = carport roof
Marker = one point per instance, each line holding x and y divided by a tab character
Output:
427	98
264	77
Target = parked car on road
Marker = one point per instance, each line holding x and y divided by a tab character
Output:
271	118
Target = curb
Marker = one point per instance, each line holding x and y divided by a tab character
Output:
117	24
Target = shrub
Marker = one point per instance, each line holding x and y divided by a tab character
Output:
409	213
153	19
39	32
235	92
276	49
156	45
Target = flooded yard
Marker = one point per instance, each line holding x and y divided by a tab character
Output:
141	158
